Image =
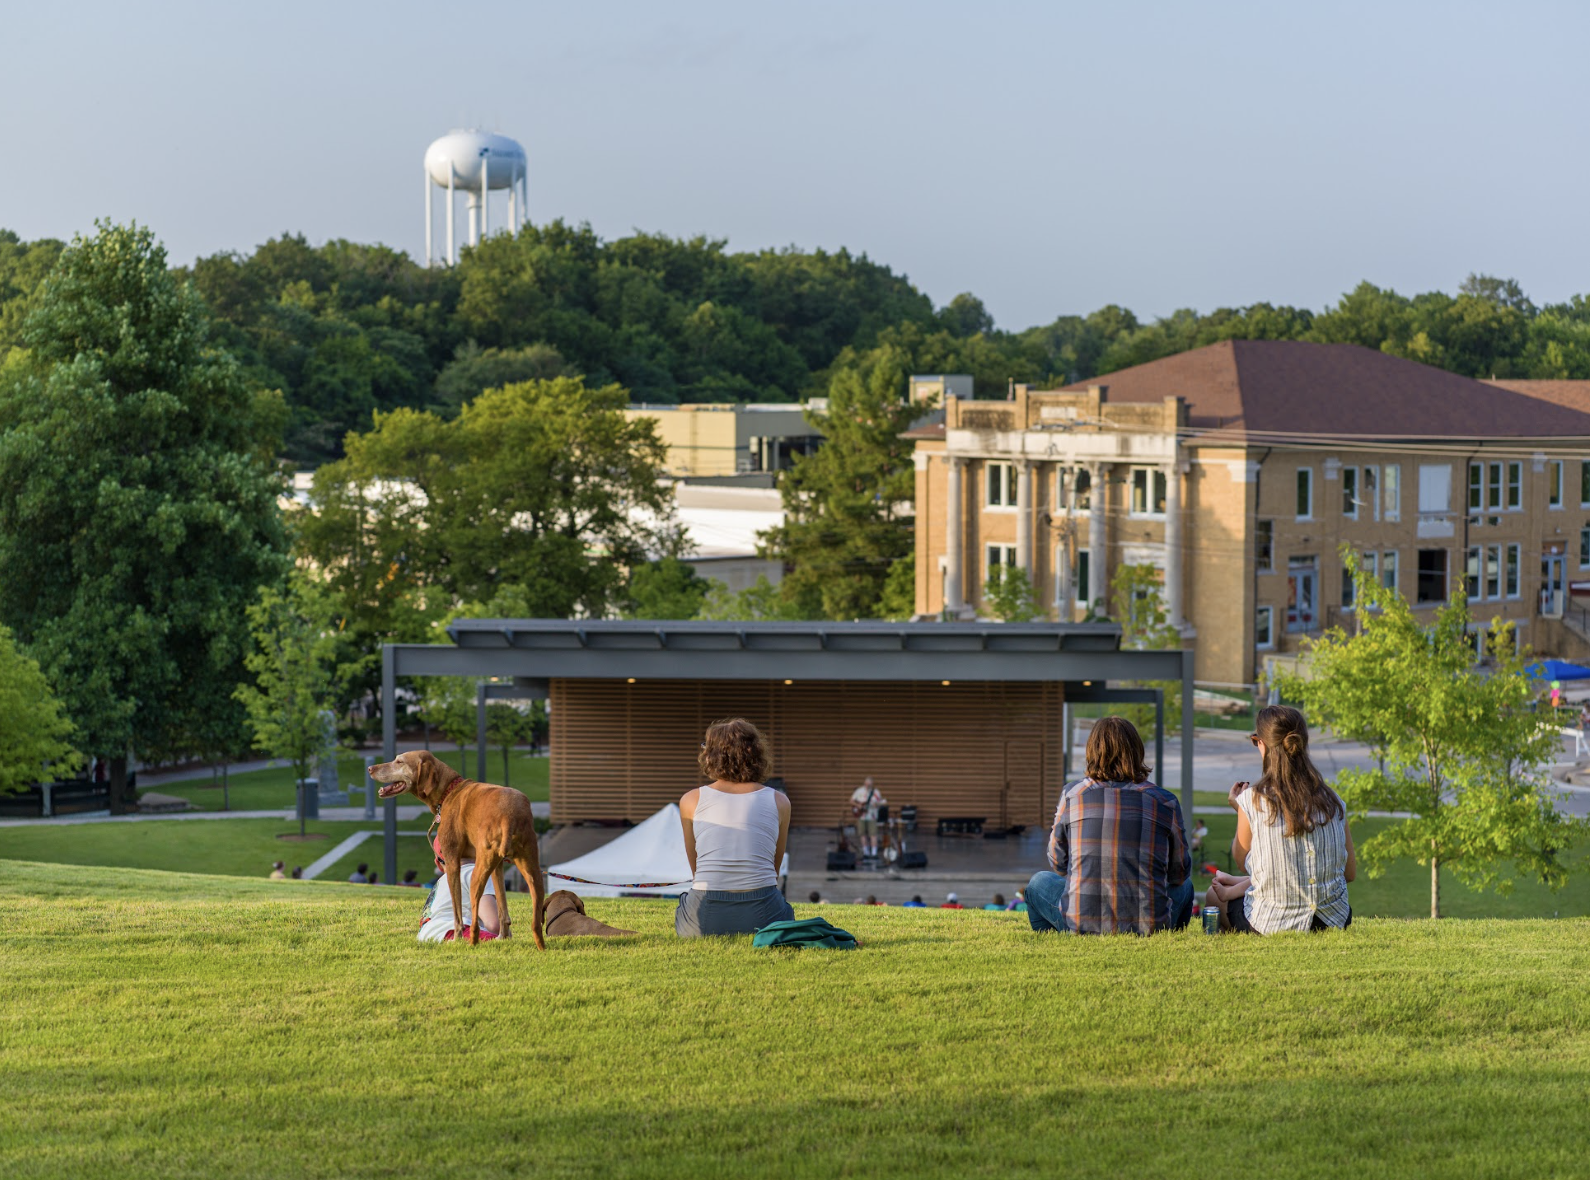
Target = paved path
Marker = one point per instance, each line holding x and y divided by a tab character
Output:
330	814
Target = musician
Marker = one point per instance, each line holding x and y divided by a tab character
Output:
865	801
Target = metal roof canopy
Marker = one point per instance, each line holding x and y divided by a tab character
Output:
1083	656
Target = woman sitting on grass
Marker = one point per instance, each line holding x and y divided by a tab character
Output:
735	833
1292	839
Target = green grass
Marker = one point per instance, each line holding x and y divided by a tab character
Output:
162	1025
261	790
231	847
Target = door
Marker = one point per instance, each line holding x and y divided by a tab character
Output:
1302	604
1552	576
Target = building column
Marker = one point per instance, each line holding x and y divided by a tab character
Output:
1024	516
1173	544
1098	546
953	538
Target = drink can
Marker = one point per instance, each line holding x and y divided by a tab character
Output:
1211	919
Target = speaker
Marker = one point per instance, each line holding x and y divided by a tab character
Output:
841	862
914	860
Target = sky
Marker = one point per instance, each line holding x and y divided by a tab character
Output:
1049	157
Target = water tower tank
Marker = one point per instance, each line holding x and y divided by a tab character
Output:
471	153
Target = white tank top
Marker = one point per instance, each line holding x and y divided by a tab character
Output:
736	837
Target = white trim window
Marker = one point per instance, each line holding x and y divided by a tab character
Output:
1476	487
1515	553
1369	494
1554	484
1263	546
1493	571
1493	487
1584	483
1369	562
1472	570
1305	493
1584	547
1388	570
1264	627
1391	491
1515	486
1148	491
1350	492
998	555
1001	485
1435	488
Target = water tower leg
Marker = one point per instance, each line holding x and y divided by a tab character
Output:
430	219
513	212
452	240
485	209
524	199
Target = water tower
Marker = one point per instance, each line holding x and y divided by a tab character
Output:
475	163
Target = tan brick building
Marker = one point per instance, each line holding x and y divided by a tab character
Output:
1239	471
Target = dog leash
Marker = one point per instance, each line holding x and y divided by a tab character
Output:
436	819
615	885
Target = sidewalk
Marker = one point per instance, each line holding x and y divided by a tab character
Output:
329	814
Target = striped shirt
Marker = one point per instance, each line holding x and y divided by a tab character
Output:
1294	877
1122	848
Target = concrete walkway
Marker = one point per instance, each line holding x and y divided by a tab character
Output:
329	814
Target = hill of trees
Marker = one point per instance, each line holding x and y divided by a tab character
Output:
344	329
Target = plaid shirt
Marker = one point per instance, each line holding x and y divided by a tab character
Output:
1121	848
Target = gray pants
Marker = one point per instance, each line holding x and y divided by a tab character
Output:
718	911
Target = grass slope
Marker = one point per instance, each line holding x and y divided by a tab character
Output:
161	1025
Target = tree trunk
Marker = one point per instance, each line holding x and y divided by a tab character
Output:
118	785
505	781
1435	885
226	789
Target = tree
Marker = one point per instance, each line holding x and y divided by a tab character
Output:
34	729
1462	749
665	589
474	369
899	590
1137	602
1008	596
508	724
138	500
759	602
291	663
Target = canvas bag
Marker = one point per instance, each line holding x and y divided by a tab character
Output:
805	932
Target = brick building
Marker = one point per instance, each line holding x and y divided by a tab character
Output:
1238	471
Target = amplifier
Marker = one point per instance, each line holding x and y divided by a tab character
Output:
842	862
914	860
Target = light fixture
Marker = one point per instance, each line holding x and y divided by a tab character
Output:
789	682
631	680
945	683
1085	683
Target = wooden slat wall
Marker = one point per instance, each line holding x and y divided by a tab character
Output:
621	751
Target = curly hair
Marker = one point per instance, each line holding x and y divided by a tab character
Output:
734	751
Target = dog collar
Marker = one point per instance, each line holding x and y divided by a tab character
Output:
437	818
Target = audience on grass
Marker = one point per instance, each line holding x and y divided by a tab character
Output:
276	871
997	904
1018	903
916	903
360	875
1292	840
952	902
412	878
815	898
298	872
375	879
735	830
1118	849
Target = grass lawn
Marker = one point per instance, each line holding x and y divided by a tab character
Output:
231	847
164	1025
260	790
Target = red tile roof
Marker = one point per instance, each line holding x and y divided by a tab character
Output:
1295	387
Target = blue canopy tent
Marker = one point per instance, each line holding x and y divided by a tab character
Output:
1557	670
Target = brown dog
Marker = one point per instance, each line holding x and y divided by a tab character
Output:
566	915
490	824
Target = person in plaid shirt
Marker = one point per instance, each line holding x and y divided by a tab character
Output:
1119	847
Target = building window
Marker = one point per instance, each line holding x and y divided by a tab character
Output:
999	555
1305	493
1432	575
1515	486
1493	486
1472	573
1350	492
1514	553
1584	547
1148	491
1302	591
1083	484
1371	492
1476	487
1082	575
1349	589
1554	484
1584	484
1388	570
1435	488
1264	546
1264	627
1001	485
1493	571
1391	488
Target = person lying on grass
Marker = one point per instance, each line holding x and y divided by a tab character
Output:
1292	839
1119	847
436	923
735	831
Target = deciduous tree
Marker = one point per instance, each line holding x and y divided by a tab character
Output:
35	731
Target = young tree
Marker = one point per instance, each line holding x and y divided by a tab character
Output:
1462	748
759	602
291	662
1008	596
138	500
509	724
665	589
1137	602
34	731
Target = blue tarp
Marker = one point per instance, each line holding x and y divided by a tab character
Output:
1557	670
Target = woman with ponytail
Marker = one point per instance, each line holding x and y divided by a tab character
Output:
1292	839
